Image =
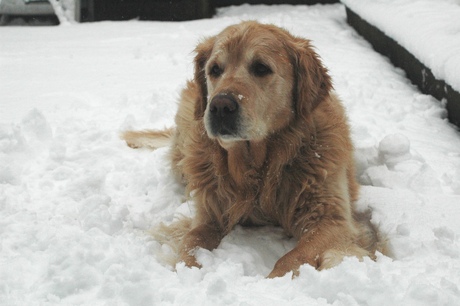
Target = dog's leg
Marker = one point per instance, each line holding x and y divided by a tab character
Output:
204	236
323	247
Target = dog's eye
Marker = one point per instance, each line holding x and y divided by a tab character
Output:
215	71
259	69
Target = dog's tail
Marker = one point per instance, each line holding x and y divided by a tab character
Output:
148	138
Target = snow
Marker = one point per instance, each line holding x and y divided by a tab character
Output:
64	10
429	29
77	206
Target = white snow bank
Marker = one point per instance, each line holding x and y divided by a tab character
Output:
76	204
64	10
429	29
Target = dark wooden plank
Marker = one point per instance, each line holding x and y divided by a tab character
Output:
417	72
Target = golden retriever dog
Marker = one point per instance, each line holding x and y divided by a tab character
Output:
261	139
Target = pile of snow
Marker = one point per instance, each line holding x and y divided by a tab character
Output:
429	29
77	205
64	10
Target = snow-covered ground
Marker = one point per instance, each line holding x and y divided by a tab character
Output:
429	29
77	205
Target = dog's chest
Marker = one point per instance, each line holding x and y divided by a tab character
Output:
281	198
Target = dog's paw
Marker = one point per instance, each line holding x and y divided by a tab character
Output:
332	258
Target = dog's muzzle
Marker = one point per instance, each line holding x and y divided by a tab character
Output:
223	116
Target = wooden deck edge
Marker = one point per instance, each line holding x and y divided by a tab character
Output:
418	73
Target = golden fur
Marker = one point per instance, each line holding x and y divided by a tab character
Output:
281	156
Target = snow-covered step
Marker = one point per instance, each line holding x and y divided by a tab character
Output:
420	36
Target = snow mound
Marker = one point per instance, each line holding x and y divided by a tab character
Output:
395	166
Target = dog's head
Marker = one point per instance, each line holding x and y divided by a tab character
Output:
254	80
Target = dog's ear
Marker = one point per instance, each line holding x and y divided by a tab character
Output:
203	52
312	82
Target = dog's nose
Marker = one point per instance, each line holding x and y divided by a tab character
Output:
223	105
223	115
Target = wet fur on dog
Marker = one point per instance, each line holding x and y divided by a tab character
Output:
261	139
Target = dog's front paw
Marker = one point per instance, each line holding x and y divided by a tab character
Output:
289	263
279	271
332	258
189	258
